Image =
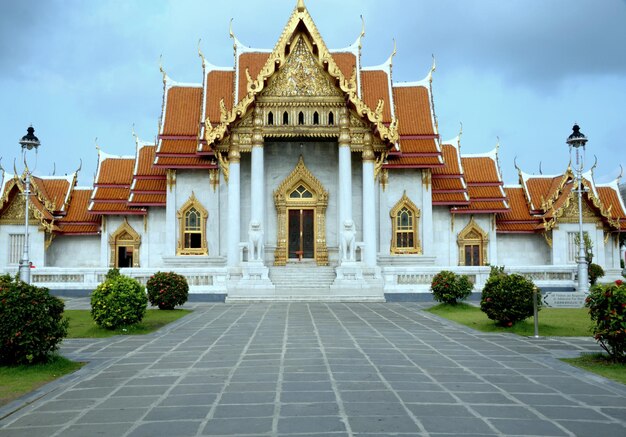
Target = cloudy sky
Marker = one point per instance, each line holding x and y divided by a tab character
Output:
520	70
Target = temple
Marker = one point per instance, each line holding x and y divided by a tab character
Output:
300	174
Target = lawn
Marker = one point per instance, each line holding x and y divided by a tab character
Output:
553	322
83	326
598	364
16	381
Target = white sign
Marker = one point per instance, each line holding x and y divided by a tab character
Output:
564	299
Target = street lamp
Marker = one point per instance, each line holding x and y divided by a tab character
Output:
28	142
577	140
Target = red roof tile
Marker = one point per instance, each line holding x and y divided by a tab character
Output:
375	86
253	62
183	111
220	85
346	62
413	110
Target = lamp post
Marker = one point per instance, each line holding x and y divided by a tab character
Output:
577	140
28	142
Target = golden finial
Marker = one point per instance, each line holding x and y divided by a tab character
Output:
595	164
301	6
134	134
460	129
497	144
362	27
230	29
97	146
432	69
540	171
80	166
519	170
621	172
393	53
161	68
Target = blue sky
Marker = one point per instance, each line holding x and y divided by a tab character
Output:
520	70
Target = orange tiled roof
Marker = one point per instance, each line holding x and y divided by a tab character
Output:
375	86
183	110
78	220
149	186
141	199
420	146
413	110
541	188
412	162
115	171
450	157
54	189
480	170
220	85
111	193
442	198
518	219
186	162
478	206
611	198
144	164
118	208
346	62
448	183
254	62
177	147
484	185
484	192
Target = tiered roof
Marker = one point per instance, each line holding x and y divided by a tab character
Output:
448	182
149	182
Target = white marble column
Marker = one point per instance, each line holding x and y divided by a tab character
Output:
257	189
234	201
427	213
369	203
345	170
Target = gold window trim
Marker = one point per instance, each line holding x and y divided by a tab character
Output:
192	202
402	203
125	236
318	202
473	234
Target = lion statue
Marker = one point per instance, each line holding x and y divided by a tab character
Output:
348	241
255	241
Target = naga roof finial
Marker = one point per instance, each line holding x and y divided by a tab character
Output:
161	69
134	134
80	166
97	146
200	51
497	144
540	171
619	177
362	27
460	129
230	29
432	69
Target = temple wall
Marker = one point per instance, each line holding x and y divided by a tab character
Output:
485	221
522	250
400	180
36	244
445	248
71	251
153	242
560	242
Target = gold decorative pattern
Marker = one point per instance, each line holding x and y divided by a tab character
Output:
405	207
192	202
318	202
171	178
124	236
472	235
426	178
300	23
214	177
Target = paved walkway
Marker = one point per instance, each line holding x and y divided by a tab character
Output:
280	369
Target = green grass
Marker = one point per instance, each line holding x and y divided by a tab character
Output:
600	365
16	381
553	322
83	326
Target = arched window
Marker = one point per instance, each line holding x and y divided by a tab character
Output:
192	219
285	117
301	192
473	244
316	118
300	118
270	118
404	220
331	118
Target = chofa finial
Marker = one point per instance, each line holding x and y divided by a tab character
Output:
161	69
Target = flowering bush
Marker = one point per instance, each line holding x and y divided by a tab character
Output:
448	287
607	308
118	301
31	322
507	298
167	289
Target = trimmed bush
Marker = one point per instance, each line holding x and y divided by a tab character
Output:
119	301
595	273
507	298
167	289
31	322
607	308
448	287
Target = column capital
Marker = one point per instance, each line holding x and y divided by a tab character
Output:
257	130
368	151
233	151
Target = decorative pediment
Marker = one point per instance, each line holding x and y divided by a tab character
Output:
14	213
301	176
472	232
569	212
301	76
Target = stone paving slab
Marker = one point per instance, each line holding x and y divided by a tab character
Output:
321	369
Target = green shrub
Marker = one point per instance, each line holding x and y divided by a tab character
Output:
167	289
118	302
448	287
112	274
607	308
595	273
507	298
31	322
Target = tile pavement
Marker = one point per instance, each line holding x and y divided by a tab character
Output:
321	369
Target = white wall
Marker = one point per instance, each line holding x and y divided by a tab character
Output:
74	251
35	249
522	250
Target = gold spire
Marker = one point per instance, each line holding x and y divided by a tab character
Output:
301	6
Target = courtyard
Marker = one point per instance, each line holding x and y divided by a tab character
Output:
321	369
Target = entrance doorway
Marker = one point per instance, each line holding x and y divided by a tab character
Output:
301	243
124	256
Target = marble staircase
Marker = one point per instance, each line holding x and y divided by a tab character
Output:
302	280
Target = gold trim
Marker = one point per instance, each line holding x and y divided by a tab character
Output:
402	203
473	234
192	202
319	202
171	178
124	235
